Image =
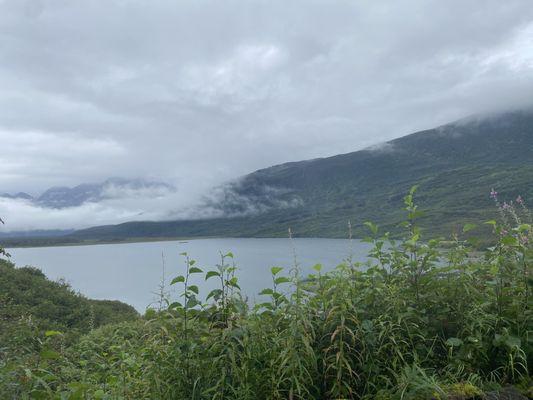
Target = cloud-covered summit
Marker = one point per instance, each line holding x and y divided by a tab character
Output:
197	93
118	200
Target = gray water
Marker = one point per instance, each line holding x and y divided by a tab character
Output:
131	272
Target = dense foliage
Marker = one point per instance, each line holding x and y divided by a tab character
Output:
414	322
54	305
31	305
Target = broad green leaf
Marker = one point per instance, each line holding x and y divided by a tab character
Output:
317	267
52	333
194	270
192	302
210	274
276	270
266	292
178	279
233	282
524	228
175	304
214	293
509	241
278	296
48	354
468	227
472	241
281	279
193	288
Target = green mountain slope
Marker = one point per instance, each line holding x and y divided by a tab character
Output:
455	166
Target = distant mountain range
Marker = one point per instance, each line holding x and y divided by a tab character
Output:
19	195
455	166
63	197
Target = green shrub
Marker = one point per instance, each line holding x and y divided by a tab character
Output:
414	322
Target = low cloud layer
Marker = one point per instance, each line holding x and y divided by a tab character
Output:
122	203
195	93
118	204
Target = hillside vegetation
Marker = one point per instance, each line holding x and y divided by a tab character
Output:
414	322
31	305
454	165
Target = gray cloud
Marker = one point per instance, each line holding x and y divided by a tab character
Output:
199	92
117	204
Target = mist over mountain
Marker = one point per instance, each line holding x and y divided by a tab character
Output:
19	195
501	142
61	197
61	209
455	165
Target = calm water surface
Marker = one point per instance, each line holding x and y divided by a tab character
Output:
131	272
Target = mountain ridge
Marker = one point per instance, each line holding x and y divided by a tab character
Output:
65	196
456	165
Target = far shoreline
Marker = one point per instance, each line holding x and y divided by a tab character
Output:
96	242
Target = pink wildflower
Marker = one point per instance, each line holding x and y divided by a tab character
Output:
494	194
520	200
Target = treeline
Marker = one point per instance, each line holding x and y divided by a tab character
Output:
414	322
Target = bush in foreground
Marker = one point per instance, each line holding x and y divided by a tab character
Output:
414	322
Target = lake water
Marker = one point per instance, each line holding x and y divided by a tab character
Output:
131	272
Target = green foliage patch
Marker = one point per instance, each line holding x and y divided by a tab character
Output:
414	322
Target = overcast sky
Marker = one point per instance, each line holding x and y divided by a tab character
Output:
198	92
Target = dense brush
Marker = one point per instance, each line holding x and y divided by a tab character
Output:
422	319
